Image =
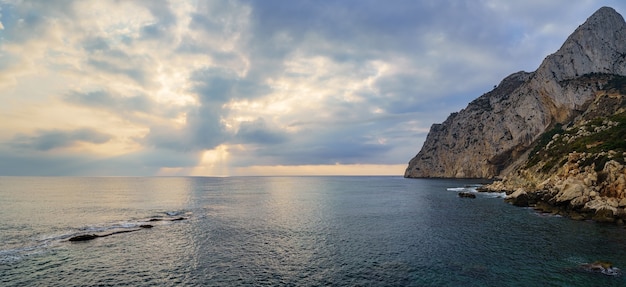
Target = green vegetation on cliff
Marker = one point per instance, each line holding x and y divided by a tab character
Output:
603	136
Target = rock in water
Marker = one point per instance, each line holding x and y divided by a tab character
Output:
87	237
519	198
84	237
601	267
467	194
489	136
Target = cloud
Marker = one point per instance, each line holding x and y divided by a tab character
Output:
143	163
53	139
258	132
104	100
143	86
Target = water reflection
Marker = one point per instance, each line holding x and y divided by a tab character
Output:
281	231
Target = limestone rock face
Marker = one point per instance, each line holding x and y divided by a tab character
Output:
488	137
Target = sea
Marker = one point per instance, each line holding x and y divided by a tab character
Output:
289	231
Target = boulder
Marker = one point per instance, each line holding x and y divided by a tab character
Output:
545	207
621	213
579	202
605	215
576	216
602	211
518	198
571	189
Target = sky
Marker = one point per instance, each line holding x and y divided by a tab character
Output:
245	88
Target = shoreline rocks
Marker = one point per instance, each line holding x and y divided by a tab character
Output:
600	209
576	189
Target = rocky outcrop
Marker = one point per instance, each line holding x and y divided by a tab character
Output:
92	236
601	267
87	237
490	136
578	171
466	194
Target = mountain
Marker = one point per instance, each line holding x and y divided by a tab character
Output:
494	135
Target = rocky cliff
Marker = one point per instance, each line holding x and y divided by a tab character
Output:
578	170
494	133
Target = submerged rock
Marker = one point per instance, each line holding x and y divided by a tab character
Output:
84	237
167	219
466	194
87	237
601	267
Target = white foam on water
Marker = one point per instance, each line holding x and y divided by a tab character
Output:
493	194
457	189
125	225
473	189
13	255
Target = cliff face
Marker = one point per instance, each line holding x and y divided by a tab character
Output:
489	136
578	170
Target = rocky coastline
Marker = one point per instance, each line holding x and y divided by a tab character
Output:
580	194
577	171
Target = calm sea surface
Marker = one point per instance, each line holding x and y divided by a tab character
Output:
294	231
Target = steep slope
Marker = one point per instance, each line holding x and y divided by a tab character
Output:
488	137
578	170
